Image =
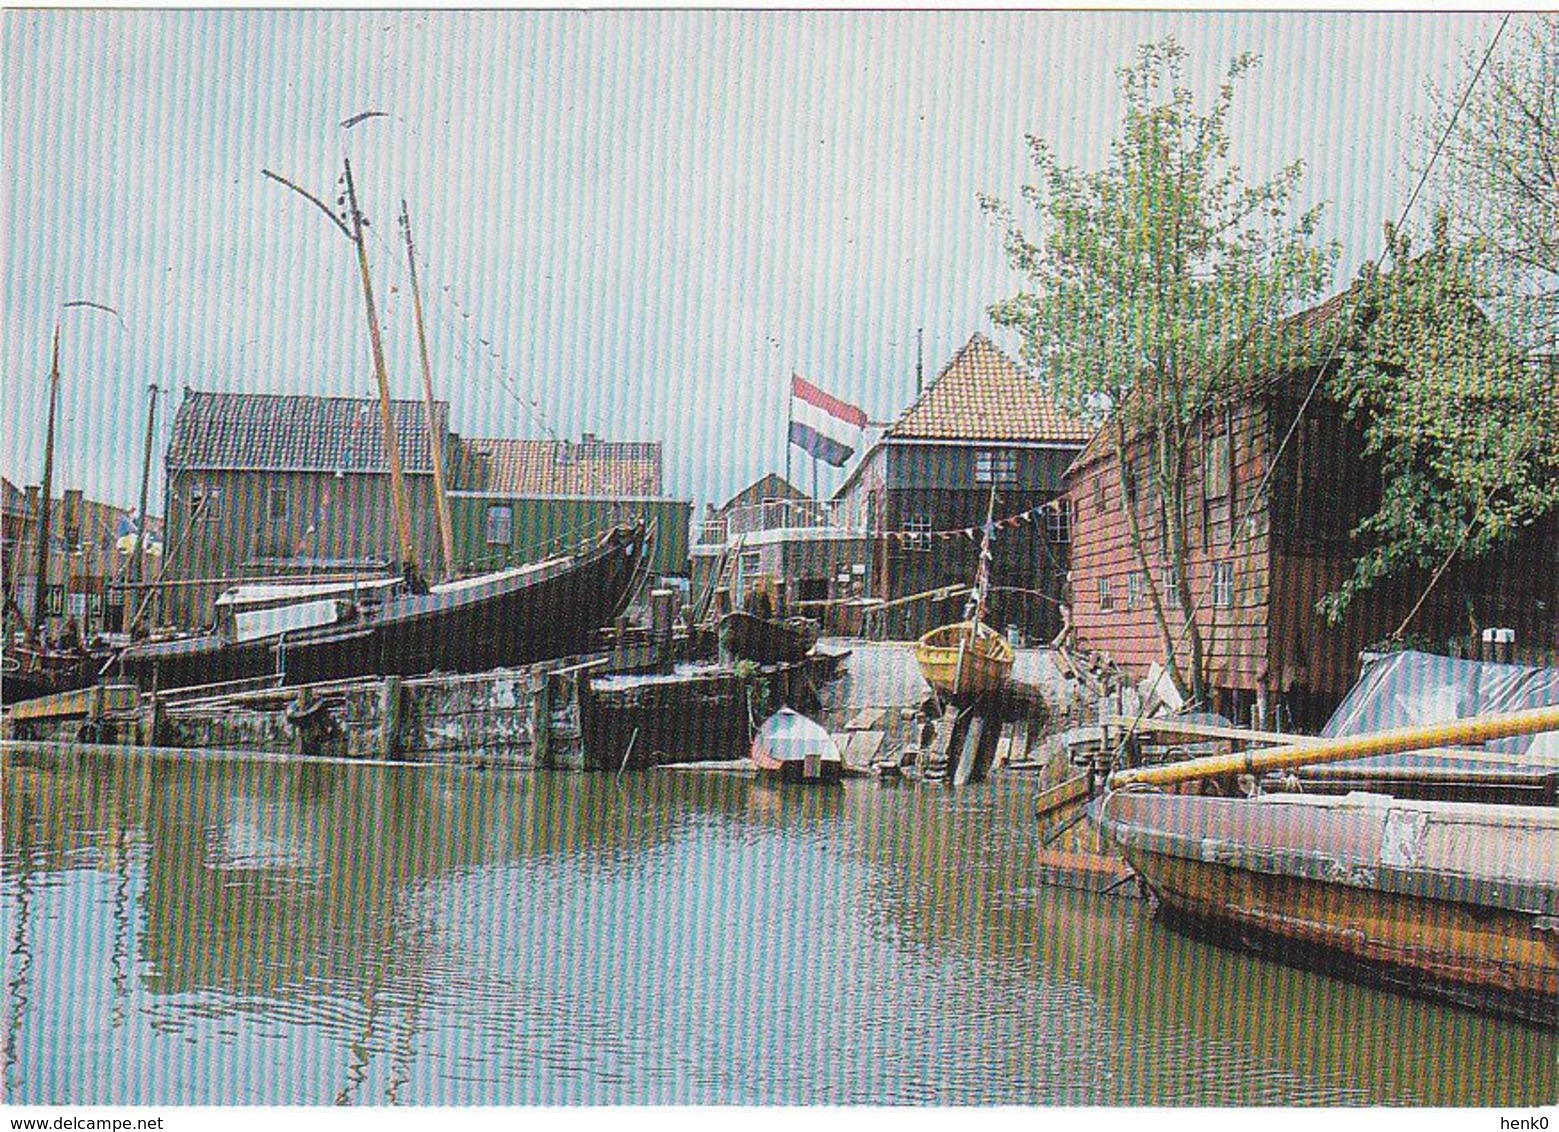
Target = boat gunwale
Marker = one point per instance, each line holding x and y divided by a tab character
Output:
1521	895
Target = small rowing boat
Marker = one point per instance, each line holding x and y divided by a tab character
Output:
795	749
964	660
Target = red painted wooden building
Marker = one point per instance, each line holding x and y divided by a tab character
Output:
1262	551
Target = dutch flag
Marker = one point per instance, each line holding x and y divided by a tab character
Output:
823	426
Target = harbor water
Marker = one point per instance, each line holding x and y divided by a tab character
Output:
205	930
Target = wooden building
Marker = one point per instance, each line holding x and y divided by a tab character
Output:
266	485
1268	537
518	500
773	532
983	425
87	557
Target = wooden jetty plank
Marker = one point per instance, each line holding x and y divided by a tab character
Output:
89	703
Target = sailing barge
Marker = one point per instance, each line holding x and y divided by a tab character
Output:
1455	899
545	609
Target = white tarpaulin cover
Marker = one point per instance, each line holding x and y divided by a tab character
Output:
1409	689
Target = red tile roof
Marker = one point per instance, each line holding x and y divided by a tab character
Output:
982	395
592	467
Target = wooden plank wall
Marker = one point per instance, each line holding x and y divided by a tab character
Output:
1235	637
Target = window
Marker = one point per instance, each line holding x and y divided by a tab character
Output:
1223	585
277	503
1171	588
1098	493
1058	521
204	503
1215	466
500	525
1106	598
1134	587
996	466
917	533
1129	496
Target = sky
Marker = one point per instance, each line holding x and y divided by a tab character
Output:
635	224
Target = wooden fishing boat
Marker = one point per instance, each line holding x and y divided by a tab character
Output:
965	660
28	673
766	640
1451	899
795	749
534	612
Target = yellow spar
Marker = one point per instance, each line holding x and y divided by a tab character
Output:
1479	729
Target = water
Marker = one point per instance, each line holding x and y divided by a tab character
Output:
195	931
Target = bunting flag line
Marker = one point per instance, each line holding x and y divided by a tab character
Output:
970	533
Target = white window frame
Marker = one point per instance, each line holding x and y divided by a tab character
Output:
917	533
1106	596
1058	521
996	466
1223	584
500	520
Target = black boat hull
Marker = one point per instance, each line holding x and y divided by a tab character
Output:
511	619
761	640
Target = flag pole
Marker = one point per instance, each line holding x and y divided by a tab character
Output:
790	417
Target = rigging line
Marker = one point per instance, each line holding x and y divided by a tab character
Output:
489	359
1265	483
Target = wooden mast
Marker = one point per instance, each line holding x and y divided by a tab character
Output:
440	486
41	586
392	452
139	560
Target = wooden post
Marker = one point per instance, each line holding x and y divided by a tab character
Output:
392	452
127	618
435	449
541	718
390	717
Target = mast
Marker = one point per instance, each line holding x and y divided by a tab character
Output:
392	452
40	590
440	490
139	561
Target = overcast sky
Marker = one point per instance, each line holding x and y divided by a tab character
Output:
634	224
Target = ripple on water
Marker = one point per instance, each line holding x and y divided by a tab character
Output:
426	936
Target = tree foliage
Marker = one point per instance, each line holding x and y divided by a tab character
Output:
1150	283
1497	171
1462	424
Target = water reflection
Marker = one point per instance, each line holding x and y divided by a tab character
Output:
261	932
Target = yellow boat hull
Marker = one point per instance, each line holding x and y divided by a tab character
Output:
964	660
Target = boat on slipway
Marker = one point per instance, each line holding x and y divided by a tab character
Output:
766	640
969	659
793	748
542	610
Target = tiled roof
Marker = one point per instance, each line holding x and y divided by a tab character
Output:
771	486
288	433
592	467
1324	316
983	395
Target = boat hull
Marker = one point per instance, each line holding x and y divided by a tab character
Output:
793	748
1448	900
960	664
515	618
744	636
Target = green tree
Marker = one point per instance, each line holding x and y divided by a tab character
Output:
1495	160
1150	290
1463	425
